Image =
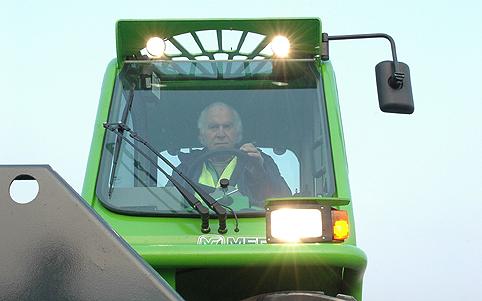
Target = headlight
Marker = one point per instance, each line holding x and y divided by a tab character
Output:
306	220
293	225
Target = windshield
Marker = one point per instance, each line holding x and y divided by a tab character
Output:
260	125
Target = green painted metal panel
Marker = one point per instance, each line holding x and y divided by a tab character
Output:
337	143
169	275
327	201
88	191
340	163
93	163
336	131
173	242
174	230
304	33
324	254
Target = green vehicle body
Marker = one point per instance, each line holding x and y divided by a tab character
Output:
236	265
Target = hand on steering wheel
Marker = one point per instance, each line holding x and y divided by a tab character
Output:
253	152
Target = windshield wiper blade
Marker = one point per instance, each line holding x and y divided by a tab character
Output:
118	140
208	199
119	129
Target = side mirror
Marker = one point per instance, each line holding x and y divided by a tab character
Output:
394	89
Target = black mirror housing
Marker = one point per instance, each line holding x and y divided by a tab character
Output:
393	98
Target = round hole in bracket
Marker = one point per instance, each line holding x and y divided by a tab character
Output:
24	189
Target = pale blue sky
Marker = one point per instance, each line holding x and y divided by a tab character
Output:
416	180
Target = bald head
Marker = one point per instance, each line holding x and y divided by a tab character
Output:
219	126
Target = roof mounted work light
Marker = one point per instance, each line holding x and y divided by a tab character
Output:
280	46
155	47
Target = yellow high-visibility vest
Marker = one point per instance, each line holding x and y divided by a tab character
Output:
209	178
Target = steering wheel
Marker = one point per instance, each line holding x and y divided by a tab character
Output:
243	158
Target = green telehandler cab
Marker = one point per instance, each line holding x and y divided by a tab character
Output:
218	156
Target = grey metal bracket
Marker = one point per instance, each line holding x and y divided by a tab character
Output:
57	248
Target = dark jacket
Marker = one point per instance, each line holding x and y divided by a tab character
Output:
257	186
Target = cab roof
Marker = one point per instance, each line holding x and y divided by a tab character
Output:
304	35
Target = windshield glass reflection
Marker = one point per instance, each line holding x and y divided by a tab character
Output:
262	127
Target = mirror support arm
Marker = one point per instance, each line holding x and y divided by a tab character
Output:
395	81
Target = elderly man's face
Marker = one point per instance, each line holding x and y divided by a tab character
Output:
219	131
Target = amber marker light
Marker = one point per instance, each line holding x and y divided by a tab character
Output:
341	228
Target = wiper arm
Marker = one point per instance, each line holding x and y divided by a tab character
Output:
208	199
119	129
118	140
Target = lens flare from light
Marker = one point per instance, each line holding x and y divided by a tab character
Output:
292	225
155	47
280	46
